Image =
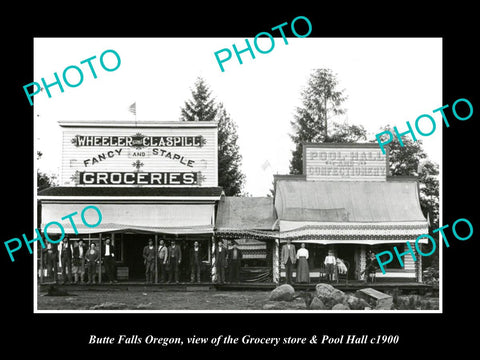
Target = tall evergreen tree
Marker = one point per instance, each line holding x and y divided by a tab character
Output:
321	102
201	107
230	177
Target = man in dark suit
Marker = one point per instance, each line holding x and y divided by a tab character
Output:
149	261
195	262
162	261
174	259
66	257
79	251
51	255
92	258
109	260
234	262
221	262
288	259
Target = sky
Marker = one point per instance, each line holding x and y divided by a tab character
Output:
386	80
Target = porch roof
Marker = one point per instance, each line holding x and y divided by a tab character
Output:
348	202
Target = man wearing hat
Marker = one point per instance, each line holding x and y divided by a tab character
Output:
234	262
174	259
66	257
162	261
149	261
220	262
195	262
109	260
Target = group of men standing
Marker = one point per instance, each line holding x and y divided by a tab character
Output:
170	258
228	258
78	260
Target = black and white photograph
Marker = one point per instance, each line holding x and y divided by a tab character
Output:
261	187
294	182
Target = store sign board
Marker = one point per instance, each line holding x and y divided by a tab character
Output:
136	156
138	178
344	162
138	141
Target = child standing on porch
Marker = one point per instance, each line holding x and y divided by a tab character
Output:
330	263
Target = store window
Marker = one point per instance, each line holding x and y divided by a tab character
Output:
394	264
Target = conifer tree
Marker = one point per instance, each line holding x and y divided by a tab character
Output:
202	107
321	102
230	176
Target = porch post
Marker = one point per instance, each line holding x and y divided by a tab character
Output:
419	264
41	264
363	261
156	258
213	270
276	261
100	251
114	261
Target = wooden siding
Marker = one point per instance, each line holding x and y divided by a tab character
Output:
203	159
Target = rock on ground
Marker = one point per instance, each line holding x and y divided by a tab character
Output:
323	289
329	295
317	304
375	298
355	303
297	304
340	307
284	292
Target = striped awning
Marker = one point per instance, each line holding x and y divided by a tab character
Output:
354	233
126	217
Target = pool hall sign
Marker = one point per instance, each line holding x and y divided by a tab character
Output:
161	155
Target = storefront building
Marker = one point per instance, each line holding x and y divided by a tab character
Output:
150	180
346	203
158	181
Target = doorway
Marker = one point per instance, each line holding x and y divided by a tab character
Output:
133	245
347	253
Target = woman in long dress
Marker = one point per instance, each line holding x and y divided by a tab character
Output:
303	272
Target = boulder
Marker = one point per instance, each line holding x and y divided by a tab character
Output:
329	295
324	289
375	298
338	296
284	292
340	307
317	304
355	303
